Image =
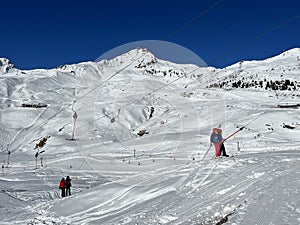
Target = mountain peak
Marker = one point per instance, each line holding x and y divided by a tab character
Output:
135	54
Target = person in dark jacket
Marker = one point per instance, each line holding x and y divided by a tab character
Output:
223	151
218	141
68	186
222	147
62	187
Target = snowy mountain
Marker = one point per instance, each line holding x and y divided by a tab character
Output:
141	152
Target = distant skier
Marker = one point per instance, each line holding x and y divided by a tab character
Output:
68	186
217	139
36	159
62	187
2	170
8	156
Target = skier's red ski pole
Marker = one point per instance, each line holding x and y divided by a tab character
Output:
234	133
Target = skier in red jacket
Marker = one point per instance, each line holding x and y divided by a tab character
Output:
62	187
218	141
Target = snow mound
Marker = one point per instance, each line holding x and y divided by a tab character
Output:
5	66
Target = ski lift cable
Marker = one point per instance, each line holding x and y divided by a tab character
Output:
251	121
112	76
257	117
253	39
194	19
265	111
140	99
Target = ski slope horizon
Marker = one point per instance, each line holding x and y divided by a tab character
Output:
141	138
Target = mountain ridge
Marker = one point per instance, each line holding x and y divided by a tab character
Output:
149	59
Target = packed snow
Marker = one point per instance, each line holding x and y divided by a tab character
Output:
141	150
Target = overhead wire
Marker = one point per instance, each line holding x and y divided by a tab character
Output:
253	39
265	111
194	19
110	77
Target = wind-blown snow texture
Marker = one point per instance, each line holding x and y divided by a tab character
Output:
141	136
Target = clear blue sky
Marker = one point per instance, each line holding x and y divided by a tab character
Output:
45	34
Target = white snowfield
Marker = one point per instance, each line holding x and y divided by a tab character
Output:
141	137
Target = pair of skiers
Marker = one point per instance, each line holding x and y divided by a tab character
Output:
218	141
65	186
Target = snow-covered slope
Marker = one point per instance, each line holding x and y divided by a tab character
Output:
141	138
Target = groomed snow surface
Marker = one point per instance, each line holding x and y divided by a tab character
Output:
141	138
